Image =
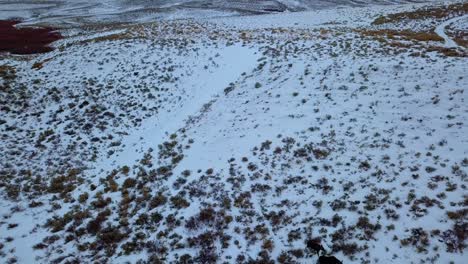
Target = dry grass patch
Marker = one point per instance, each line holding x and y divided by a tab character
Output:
407	35
423	13
449	52
460	37
40	64
406	39
111	37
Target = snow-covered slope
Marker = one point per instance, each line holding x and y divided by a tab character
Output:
65	12
234	140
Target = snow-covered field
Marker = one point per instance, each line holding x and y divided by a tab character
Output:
236	139
66	12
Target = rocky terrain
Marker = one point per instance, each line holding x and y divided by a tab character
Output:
236	139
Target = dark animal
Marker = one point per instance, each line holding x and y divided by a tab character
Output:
315	246
328	260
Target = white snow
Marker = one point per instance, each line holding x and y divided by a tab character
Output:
289	126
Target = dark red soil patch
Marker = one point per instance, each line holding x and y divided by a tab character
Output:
26	40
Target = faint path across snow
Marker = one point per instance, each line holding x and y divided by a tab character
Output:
204	85
440	30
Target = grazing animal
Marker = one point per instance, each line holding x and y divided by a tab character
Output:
328	260
315	246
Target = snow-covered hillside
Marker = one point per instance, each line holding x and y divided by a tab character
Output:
79	11
234	140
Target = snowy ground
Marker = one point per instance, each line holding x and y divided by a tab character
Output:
236	139
70	12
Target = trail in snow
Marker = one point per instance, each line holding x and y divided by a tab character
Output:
204	85
440	30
